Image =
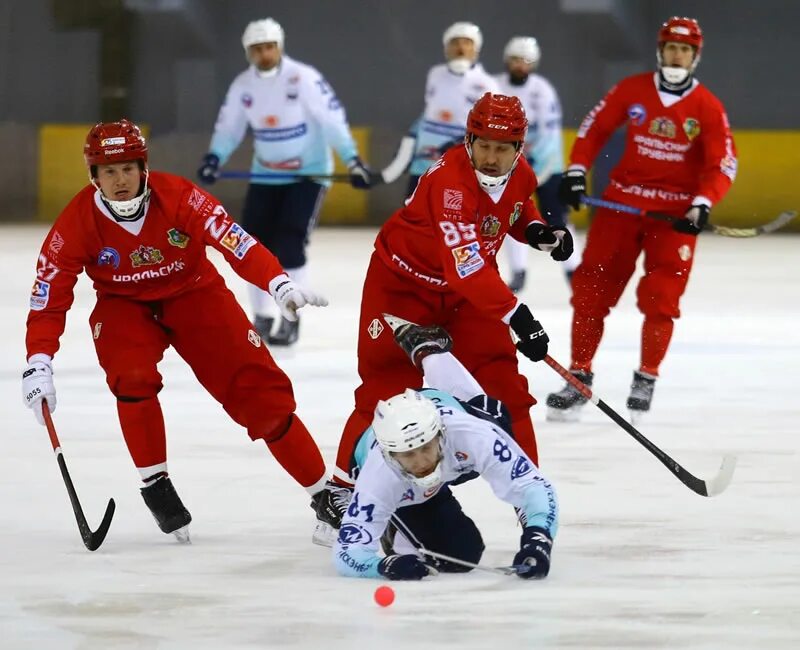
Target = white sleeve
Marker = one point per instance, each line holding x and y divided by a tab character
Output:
231	123
547	145
321	101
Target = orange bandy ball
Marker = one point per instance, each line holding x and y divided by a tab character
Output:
384	596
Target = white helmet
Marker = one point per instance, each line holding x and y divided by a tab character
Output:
463	30
405	422
524	47
262	31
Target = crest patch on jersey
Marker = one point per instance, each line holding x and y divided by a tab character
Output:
247	100
354	534
461	456
56	243
512	218
237	241
375	329
662	126
177	238
271	120
40	295
468	259
254	338
691	127
146	256
408	495
196	199
490	226
453	199
108	257
637	114
520	467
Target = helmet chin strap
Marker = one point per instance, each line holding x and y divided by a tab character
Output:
491	183
129	210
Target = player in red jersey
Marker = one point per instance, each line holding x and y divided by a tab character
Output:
141	236
679	159
434	263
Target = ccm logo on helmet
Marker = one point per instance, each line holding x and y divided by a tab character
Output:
498	126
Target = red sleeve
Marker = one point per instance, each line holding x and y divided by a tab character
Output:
204	217
461	250
719	154
61	259
597	127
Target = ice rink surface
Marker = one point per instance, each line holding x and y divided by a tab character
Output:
640	561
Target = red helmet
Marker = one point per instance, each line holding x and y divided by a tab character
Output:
113	142
497	117
682	30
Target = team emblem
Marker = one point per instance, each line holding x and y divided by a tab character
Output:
662	126
490	226
375	329
637	114
146	256
96	332
512	218
254	338
108	257
177	238
247	100
691	127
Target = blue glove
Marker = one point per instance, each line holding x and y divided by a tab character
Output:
361	176
533	558
550	239
404	567
209	170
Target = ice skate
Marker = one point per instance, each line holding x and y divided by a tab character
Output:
167	508
419	341
641	395
517	281
330	505
263	326
566	404
287	334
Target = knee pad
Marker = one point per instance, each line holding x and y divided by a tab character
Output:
261	401
135	385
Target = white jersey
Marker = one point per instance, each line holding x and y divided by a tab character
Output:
544	146
295	118
448	100
472	444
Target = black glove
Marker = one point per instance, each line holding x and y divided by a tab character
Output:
533	339
361	176
209	170
550	239
572	188
533	557
404	567
694	220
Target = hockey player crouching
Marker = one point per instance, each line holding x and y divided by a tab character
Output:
421	442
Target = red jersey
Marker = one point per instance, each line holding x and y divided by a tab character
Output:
156	257
674	151
447	236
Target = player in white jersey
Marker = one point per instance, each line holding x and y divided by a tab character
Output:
295	118
420	443
544	146
451	89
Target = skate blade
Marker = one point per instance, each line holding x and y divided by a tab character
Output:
324	534
563	415
182	535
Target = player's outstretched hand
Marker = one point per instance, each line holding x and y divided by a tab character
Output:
290	296
533	557
404	567
550	239
533	339
37	385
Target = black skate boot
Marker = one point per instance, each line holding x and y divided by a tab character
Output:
330	505
418	341
641	395
167	508
517	281
287	333
565	405
263	326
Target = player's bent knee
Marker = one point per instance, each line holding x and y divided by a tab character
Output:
270	428
134	386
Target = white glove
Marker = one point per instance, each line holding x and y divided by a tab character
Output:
290	296
37	385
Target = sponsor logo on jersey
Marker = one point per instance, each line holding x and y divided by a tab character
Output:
408	495
432	490
501	127
662	126
110	142
177	238
461	456
445	116
270	120
56	243
237	241
691	127
289	164
40	295
247	100
468	259
685	253
637	114
490	226
149	274
354	534
108	257
96	331
108	152
254	338
453	199
146	256
196	199
375	329
520	467
512	218
276	135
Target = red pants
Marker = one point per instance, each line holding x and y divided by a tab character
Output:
481	342
614	243
209	330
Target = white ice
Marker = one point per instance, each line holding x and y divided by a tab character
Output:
640	561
